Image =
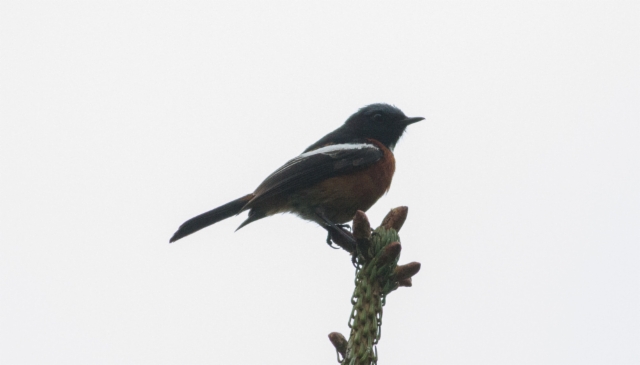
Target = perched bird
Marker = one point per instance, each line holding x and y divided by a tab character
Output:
347	170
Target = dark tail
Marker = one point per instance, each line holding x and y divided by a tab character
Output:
213	216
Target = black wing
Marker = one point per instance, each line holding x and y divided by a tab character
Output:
315	166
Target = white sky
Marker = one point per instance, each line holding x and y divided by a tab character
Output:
120	121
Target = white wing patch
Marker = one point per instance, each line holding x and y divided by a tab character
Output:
327	150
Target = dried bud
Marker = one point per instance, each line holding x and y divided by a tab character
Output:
339	342
405	282
389	253
406	271
361	226
395	218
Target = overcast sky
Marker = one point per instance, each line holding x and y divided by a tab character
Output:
119	121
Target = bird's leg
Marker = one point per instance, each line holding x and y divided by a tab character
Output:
342	227
337	234
341	238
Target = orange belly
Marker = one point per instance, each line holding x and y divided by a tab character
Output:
341	196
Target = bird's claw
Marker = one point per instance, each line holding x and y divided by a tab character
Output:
330	242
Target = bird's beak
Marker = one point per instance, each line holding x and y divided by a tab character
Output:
412	120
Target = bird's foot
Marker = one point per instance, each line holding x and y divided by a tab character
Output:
337	234
340	226
330	242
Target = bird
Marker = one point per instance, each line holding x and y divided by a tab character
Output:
347	170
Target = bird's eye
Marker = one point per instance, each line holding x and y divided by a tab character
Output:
377	117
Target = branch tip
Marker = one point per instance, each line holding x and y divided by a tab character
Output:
339	342
389	253
406	271
361	226
395	218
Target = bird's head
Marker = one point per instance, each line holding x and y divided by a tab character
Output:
382	122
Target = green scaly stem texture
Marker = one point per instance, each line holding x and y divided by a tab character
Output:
373	282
